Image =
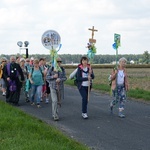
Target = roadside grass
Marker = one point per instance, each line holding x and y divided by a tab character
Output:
19	131
139	94
139	81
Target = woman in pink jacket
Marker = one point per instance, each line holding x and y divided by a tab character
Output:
119	86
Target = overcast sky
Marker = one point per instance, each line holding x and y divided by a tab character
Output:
22	20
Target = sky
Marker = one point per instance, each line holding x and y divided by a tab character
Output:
27	20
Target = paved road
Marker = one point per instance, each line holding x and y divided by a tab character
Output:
101	131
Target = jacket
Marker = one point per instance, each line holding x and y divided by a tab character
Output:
79	77
113	79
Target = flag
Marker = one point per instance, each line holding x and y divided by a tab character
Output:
117	39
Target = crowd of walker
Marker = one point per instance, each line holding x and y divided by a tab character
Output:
39	81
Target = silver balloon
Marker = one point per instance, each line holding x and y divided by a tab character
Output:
50	39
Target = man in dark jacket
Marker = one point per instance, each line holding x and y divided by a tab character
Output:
14	78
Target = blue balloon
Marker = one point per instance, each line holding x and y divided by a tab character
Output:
114	46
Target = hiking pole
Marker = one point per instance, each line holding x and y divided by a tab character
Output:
58	95
89	82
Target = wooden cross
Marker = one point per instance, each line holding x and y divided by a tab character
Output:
92	40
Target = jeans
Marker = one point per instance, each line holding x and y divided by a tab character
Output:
36	91
84	94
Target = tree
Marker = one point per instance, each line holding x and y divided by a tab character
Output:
146	57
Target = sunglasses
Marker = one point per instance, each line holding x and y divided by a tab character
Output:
59	61
3	61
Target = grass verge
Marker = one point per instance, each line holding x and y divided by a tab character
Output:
19	131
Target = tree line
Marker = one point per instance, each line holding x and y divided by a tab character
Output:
98	59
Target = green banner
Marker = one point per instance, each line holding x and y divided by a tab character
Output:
117	39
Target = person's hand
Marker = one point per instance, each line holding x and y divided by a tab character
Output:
58	80
89	77
55	76
90	71
31	81
8	79
116	71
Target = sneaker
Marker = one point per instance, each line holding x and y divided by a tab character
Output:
4	94
27	100
56	118
32	103
84	115
41	99
121	115
111	108
38	105
47	101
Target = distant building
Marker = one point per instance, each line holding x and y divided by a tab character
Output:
132	62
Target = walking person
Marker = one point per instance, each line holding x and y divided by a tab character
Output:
56	84
27	83
41	65
47	92
119	86
25	73
2	81
13	77
84	77
36	77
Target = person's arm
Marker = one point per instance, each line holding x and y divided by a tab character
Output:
63	78
49	75
113	74
20	72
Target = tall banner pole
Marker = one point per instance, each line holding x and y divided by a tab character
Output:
91	53
115	46
51	40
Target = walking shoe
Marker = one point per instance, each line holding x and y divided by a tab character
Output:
47	101
111	108
4	94
38	105
32	103
56	118
84	115
41	99
121	115
27	100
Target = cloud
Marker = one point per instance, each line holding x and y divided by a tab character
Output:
28	20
